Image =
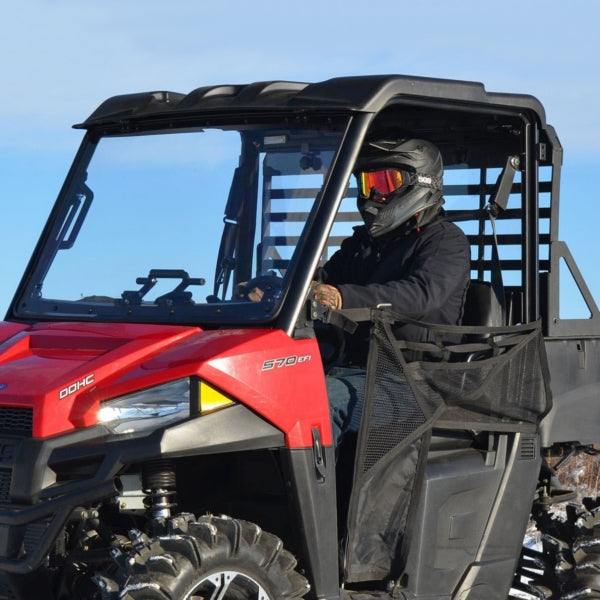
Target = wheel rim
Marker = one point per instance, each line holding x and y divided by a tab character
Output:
228	585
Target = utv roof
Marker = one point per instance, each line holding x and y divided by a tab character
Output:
361	93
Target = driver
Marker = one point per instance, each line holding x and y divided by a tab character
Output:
405	255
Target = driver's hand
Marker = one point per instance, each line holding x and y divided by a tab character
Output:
328	295
255	294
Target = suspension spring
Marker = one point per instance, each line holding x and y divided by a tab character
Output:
159	485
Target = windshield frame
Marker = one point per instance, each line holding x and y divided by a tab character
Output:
23	308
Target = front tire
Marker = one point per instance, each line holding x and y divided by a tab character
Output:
212	557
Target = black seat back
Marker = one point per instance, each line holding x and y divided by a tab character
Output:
482	306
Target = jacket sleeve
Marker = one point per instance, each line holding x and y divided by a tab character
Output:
437	272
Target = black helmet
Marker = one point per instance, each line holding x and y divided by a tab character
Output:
398	180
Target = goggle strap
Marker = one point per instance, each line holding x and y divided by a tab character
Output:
428	181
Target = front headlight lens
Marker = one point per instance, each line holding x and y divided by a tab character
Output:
148	408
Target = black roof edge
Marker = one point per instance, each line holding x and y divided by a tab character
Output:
365	93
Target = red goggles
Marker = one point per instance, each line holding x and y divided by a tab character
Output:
384	182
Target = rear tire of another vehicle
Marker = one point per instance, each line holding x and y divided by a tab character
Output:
206	558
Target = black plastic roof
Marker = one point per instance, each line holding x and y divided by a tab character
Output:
361	93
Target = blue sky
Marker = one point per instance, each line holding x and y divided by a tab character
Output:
60	58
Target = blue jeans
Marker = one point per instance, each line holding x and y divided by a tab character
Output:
346	393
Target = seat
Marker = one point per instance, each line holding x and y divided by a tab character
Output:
482	307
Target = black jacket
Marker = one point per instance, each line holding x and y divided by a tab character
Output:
423	274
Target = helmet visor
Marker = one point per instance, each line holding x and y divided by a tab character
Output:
379	184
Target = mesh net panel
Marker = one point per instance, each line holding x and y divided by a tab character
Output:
393	410
505	384
498	383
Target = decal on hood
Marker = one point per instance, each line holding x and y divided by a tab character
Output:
285	361
75	387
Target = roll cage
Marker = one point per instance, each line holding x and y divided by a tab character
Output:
500	156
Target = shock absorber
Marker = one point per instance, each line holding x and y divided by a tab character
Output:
159	485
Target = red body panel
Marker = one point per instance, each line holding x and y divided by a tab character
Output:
64	370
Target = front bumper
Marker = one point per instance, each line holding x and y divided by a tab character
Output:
27	533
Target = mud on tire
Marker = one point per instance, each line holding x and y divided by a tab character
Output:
202	559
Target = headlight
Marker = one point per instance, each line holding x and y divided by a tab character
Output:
158	406
148	408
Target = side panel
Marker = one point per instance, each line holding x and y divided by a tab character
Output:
575	379
312	478
471	520
282	380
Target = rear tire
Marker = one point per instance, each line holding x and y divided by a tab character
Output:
568	565
212	557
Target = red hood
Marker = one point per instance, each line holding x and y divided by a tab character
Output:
46	366
62	371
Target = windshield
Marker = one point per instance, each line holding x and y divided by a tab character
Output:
171	227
